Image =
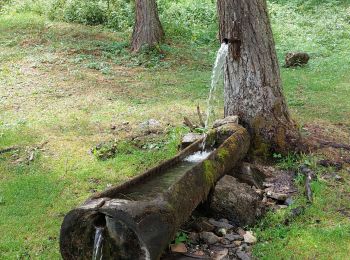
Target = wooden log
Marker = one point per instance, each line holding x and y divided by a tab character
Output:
138	218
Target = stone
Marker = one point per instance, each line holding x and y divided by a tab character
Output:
151	126
198	253
289	201
235	201
250	174
243	255
233	237
203	225
209	237
277	196
178	248
237	242
221	232
189	139
193	237
249	238
221	255
241	231
220	224
294	59
226	120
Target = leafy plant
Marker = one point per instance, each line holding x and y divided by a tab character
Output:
181	237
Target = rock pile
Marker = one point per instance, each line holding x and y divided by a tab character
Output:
234	202
214	239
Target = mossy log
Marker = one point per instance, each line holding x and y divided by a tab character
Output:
138	223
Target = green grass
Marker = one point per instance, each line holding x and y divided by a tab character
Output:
67	84
321	232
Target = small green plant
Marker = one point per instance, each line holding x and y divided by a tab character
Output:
181	237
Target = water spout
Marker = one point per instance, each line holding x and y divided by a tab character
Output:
97	251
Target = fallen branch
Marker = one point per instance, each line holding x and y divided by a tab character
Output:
188	123
9	149
201	122
325	143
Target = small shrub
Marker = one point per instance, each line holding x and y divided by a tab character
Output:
86	12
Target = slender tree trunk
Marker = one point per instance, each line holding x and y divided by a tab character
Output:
253	88
148	29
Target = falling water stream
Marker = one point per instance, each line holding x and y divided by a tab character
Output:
97	251
215	77
166	179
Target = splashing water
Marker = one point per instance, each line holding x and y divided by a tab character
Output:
198	156
215	77
97	251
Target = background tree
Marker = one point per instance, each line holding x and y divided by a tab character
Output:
147	29
253	88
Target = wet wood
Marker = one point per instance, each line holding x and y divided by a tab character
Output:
134	229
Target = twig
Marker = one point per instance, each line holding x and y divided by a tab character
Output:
9	149
201	122
332	144
308	178
188	123
308	187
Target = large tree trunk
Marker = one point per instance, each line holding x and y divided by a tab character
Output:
253	88
148	29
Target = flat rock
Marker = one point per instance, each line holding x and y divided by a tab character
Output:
189	139
233	237
226	120
220	224
249	238
221	255
209	237
178	248
277	196
151	126
236	201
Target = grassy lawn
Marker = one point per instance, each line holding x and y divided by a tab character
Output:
64	88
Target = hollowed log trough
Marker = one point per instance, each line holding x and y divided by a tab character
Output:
140	217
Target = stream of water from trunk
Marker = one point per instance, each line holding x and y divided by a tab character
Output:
215	77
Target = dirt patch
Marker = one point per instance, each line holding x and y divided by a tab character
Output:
329	141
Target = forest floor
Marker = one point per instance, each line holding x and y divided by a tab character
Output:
65	88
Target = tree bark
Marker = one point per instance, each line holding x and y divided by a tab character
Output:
253	88
148	29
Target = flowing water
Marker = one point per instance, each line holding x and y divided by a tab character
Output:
215	77
97	251
152	187
198	156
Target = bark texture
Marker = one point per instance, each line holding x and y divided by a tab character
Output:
253	88
148	29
